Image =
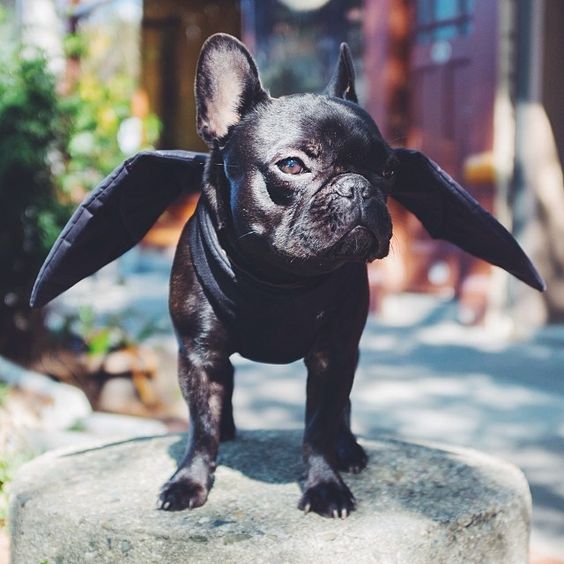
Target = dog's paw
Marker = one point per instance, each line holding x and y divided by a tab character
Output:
351	457
329	499
182	493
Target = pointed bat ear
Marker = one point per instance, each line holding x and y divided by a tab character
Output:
115	216
342	82
448	212
227	86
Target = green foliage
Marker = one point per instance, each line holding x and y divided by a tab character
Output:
28	135
31	215
8	467
77	427
100	335
5	477
97	107
4	391
74	46
54	148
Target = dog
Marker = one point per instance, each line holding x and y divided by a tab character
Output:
273	263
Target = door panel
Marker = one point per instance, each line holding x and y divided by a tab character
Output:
452	74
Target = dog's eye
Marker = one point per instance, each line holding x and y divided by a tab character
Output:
291	165
388	172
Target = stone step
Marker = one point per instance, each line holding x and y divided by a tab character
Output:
417	503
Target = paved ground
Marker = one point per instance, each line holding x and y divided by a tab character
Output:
421	376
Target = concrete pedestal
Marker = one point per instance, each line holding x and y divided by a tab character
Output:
416	504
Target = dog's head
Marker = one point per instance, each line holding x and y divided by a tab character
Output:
298	182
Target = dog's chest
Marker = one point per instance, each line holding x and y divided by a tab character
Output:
277	327
266	323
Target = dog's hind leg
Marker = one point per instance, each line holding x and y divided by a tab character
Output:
227	424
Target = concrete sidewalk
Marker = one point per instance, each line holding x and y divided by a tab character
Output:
421	376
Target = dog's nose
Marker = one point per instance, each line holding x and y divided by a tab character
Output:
352	188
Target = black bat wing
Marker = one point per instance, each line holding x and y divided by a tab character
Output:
448	212
115	216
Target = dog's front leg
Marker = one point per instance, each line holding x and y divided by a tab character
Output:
330	378
206	381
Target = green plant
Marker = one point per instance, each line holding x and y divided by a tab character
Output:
77	427
53	149
74	46
31	214
8	467
4	391
97	108
99	335
5	476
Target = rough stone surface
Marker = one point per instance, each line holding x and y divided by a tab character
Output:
417	504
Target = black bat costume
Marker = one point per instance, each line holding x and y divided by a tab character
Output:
120	211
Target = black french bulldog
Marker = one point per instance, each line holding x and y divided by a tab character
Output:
273	264
294	206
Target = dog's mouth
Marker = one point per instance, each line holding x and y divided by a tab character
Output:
361	244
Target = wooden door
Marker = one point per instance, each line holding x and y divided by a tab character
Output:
172	36
451	77
173	33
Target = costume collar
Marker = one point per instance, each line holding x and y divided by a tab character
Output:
211	247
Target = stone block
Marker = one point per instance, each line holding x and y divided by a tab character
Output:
417	503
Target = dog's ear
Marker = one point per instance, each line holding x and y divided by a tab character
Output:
448	212
227	86
341	84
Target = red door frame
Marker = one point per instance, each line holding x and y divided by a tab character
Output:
394	65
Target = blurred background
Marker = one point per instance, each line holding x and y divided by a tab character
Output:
475	84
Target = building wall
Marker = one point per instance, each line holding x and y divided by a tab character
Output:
553	71
550	193
172	35
538	185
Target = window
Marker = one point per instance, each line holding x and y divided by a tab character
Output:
296	42
442	19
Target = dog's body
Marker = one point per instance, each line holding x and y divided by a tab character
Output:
293	207
273	264
328	340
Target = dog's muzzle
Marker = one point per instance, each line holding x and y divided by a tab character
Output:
369	237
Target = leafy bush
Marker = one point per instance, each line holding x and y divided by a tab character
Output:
89	332
54	148
31	214
97	111
100	106
8	468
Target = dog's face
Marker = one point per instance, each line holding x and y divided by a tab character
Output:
306	175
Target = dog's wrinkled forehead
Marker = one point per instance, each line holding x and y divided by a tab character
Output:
317	125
